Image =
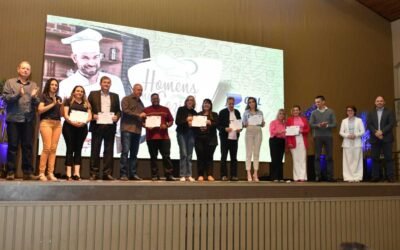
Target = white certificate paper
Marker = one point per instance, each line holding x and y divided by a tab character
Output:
255	120
292	130
236	124
105	118
199	121
153	121
78	116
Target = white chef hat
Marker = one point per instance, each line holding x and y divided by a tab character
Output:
85	41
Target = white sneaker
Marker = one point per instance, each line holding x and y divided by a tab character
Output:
51	177
42	177
182	179
191	179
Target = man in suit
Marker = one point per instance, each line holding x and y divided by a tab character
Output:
229	138
104	103
380	123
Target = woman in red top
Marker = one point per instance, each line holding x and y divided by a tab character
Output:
277	145
298	143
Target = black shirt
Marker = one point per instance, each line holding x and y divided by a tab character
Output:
55	112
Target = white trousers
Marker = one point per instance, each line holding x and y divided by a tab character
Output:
253	145
299	155
352	164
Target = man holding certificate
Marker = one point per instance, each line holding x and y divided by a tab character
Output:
158	120
106	113
229	126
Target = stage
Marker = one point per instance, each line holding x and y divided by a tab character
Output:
86	190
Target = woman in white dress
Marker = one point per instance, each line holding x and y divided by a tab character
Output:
351	129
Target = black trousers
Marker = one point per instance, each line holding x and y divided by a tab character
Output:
386	149
230	146
319	143
205	155
20	133
277	150
102	133
164	147
74	138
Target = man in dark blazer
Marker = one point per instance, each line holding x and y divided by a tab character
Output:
229	138
107	103
380	123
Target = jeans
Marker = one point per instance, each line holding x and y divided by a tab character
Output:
319	142
164	146
20	132
130	146
50	130
186	145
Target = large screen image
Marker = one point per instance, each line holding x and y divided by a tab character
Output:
172	65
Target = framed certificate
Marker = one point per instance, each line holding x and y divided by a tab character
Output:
105	118
153	121
292	130
78	116
236	124
199	121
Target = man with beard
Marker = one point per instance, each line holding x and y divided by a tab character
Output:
86	55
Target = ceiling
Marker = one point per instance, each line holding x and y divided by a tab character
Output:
389	9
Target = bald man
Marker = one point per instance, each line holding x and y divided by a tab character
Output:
21	96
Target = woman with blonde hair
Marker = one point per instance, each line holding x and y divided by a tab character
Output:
185	136
74	131
277	131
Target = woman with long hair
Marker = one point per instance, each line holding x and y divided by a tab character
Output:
50	128
277	131
253	121
185	136
205	142
298	144
75	132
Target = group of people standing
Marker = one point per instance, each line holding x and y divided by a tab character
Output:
380	123
102	110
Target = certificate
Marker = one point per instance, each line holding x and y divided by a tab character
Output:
292	130
199	121
78	116
153	121
255	120
236	124
105	118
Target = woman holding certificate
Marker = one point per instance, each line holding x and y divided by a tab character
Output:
297	129
351	129
277	145
253	121
77	114
206	141
185	136
50	128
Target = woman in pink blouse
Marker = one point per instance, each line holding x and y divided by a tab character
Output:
298	144
277	145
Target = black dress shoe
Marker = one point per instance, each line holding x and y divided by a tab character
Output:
171	178
391	180
108	178
332	180
234	178
76	178
10	176
30	177
375	180
135	178
224	178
